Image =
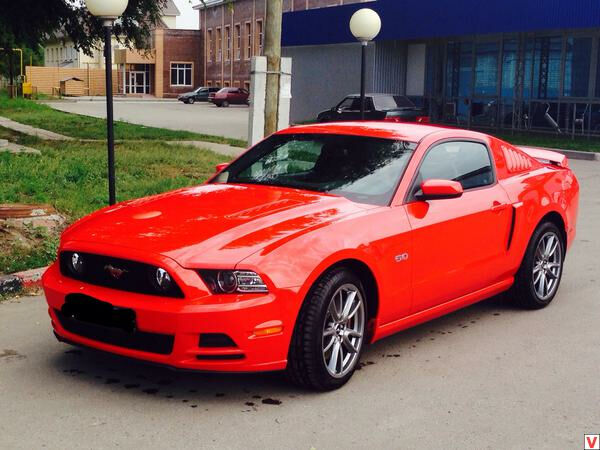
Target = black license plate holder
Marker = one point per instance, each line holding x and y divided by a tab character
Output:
87	309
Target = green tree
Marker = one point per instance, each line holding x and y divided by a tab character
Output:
28	23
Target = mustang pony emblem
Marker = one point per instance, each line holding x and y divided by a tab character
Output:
115	272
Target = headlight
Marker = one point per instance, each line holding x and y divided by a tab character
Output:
230	281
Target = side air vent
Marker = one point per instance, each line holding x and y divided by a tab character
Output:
515	161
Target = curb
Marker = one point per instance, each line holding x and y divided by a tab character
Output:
16	282
575	154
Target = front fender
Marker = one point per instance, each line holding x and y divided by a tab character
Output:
374	238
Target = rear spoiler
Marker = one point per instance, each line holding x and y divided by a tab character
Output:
546	156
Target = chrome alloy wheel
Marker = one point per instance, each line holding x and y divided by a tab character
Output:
547	265
343	330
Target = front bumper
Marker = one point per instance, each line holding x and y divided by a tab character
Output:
237	316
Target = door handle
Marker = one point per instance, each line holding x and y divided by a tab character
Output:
498	207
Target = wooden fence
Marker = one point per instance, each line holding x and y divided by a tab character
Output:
47	80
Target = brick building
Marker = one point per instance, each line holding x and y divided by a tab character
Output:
169	69
232	33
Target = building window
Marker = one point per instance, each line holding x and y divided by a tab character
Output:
237	42
546	67
209	83
181	74
209	44
236	83
226	83
259	37
219	44
248	42
459	69
486	68
509	68
577	66
227	43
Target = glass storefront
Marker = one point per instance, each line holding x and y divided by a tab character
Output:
548	82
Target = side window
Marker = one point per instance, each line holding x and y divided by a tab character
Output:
346	104
466	162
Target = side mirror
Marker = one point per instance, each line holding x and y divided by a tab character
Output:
440	189
221	167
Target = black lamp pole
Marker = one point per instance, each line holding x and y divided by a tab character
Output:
110	134
363	75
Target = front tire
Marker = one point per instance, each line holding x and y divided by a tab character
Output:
329	334
191	101
538	278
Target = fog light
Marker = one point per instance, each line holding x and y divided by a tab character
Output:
163	279
77	263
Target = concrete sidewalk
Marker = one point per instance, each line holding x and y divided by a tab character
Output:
32	131
222	149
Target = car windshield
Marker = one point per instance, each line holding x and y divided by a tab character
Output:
387	102
362	169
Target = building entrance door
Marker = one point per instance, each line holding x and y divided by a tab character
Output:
137	82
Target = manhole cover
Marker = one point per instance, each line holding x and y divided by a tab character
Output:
21	211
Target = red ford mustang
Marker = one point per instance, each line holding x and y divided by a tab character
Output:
313	243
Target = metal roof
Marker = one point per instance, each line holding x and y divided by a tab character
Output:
208	4
171	9
418	19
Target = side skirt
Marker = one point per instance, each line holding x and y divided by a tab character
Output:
441	310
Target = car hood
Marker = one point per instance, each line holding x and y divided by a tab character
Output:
213	225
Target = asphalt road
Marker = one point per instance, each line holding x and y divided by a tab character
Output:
489	376
203	118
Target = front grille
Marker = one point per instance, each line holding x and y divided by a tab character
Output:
100	321
132	276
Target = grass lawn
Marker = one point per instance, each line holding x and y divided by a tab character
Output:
71	176
85	127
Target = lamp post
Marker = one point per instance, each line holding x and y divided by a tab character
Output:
365	25
108	11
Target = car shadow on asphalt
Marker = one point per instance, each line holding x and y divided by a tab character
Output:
249	391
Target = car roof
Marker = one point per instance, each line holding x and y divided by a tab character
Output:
374	94
388	130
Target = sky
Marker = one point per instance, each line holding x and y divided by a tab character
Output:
189	18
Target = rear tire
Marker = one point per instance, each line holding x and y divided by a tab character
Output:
538	278
225	104
330	332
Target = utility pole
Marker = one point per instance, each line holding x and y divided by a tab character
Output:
272	50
